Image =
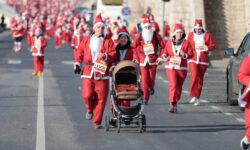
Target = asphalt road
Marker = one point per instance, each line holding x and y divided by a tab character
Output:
48	113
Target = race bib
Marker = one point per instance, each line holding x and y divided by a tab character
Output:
200	46
148	49
175	62
100	66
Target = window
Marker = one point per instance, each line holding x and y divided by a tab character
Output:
245	46
112	2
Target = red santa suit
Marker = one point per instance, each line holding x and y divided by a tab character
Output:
17	34
58	37
66	34
146	48
76	40
244	78
38	44
166	31
50	29
95	85
176	64
138	27
202	44
122	54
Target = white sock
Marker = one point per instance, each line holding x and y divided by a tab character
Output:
245	140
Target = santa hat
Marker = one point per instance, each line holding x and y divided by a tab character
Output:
115	23
122	31
198	24
146	22
178	28
98	21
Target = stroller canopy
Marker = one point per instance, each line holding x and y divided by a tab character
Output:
126	72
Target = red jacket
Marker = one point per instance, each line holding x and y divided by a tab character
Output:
244	76
139	53
128	55
170	51
76	40
38	45
84	55
201	56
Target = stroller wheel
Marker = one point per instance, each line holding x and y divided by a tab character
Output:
118	124
107	123
142	123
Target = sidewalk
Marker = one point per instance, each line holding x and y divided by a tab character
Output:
220	65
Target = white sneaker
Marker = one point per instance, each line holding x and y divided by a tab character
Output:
89	116
197	102
98	126
193	100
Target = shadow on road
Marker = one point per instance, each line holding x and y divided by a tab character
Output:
195	128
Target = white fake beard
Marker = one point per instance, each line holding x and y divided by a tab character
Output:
95	45
147	35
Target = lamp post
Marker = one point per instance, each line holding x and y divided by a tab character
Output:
163	16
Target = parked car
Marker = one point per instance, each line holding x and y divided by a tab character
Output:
234	88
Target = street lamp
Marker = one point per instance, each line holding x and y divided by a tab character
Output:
163	16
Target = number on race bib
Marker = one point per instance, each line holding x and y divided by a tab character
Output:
100	67
148	49
175	62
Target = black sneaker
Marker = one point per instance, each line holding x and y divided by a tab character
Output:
152	91
243	144
173	108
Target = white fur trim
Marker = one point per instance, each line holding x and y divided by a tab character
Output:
198	62
98	23
124	33
198	27
146	24
179	30
181	68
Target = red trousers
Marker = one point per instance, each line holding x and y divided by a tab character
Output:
176	79
197	76
58	41
38	63
148	79
94	94
29	40
247	119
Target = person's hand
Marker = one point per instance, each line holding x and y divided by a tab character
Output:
102	56
136	61
77	69
159	60
205	48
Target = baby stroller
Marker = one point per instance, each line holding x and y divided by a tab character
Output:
125	85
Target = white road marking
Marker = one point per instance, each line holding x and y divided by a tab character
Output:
79	88
14	62
204	101
165	81
215	81
228	114
240	120
40	134
185	92
67	62
215	107
46	62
